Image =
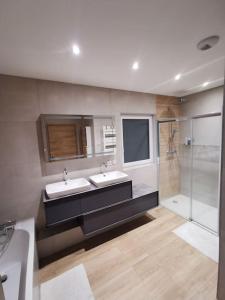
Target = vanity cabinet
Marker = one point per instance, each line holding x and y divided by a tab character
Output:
100	209
63	209
106	196
115	215
60	210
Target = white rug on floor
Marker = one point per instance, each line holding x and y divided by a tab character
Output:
199	238
71	285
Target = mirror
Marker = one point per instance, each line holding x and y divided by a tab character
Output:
104	135
77	136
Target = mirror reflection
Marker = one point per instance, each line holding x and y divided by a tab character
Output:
69	137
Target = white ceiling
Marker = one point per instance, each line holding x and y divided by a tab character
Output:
36	38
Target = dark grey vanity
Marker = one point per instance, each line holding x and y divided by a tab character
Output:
100	209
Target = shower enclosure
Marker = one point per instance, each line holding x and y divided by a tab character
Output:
189	167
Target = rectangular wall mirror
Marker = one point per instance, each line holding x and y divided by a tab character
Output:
77	136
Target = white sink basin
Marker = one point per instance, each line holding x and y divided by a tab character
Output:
63	188
108	178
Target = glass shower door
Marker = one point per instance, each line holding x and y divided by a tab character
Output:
175	166
206	150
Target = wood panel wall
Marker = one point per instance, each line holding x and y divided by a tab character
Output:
167	107
169	169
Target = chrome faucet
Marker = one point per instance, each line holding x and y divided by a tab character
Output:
105	164
6	232
65	175
4	227
2	296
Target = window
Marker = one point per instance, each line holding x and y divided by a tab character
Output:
137	139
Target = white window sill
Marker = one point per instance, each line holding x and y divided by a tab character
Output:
137	166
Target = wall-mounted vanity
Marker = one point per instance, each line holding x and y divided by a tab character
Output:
98	208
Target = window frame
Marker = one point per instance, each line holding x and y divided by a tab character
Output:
150	122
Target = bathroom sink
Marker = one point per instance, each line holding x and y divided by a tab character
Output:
103	179
68	187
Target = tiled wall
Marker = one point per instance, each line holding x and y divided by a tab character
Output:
20	178
23	171
169	168
167	107
209	101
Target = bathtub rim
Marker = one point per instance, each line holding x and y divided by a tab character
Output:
28	225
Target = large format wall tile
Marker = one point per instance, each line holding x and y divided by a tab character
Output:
131	102
19	101
18	142
205	102
20	186
63	98
96	101
58	98
57	167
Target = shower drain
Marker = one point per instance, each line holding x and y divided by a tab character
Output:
175	201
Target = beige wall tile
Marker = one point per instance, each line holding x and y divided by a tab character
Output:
131	102
18	142
209	101
20	186
18	97
65	98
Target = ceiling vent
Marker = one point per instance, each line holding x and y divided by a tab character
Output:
208	42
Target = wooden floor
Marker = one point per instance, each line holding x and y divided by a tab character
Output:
147	263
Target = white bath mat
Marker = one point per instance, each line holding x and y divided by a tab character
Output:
71	285
199	238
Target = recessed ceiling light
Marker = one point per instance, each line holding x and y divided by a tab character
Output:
205	84
76	50
135	65
177	77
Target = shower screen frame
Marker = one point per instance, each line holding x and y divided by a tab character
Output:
191	120
202	116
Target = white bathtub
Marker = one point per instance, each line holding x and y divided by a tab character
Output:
20	263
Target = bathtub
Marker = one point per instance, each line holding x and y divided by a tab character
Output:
19	262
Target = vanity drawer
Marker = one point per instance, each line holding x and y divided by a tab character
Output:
62	210
117	214
107	196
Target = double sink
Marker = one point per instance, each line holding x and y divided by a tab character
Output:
72	186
